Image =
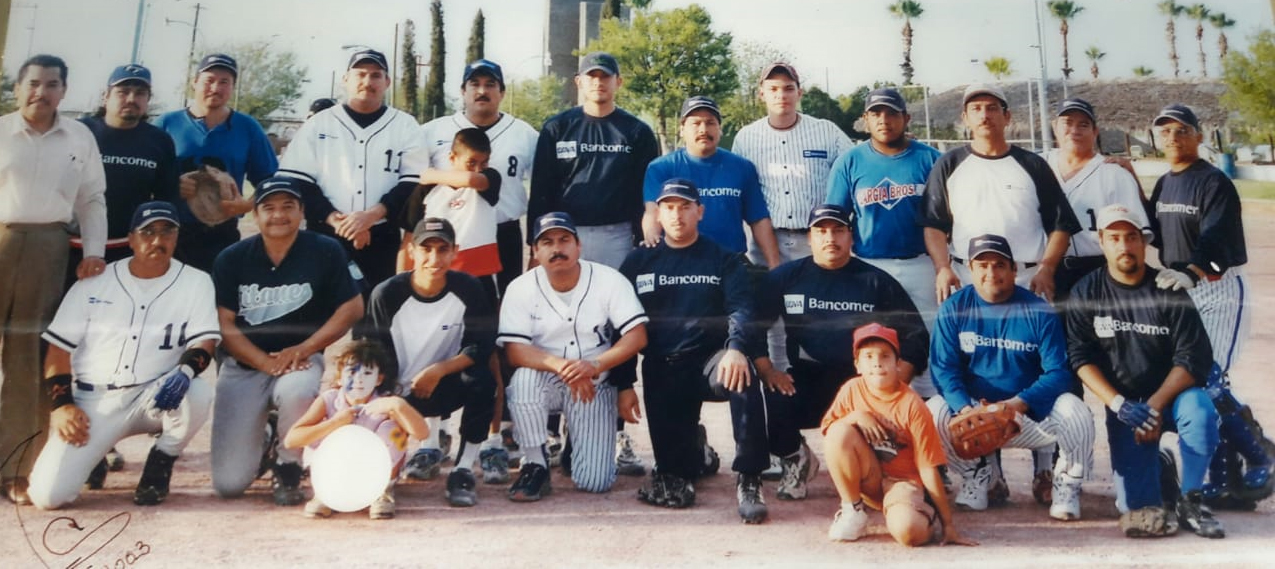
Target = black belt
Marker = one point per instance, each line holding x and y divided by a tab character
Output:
798	230
1025	265
903	258
1090	262
83	385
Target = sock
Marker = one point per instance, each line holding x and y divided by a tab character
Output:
468	457
431	441
851	506
535	456
493	441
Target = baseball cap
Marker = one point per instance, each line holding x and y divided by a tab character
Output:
555	220
366	55
599	60
678	188
1177	112
990	243
875	331
977	89
829	211
130	72
274	185
888	97
1077	104
1115	213
780	67
219	60
697	102
322	104
484	66
151	212
433	228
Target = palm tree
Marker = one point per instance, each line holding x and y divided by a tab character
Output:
1143	71
1172	10
1064	11
1094	54
1199	13
1221	22
998	67
907	9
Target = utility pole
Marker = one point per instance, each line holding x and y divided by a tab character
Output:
194	30
1046	137
137	29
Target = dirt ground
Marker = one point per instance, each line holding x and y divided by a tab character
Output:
574	529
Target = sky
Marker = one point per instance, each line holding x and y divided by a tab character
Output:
837	45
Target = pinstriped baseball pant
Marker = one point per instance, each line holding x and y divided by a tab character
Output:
1224	308
1070	425
533	394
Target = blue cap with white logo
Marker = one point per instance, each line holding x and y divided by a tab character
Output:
151	212
274	185
678	188
830	211
130	72
555	220
989	243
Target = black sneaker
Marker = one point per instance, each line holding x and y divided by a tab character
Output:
752	507
1195	516
97	478
153	486
668	491
532	484
286	485
460	488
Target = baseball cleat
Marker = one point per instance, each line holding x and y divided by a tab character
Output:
712	462
775	471
1195	516
460	488
425	464
286	485
553	450
383	508
532	484
849	525
974	490
1043	487
1065	495
445	445
114	460
799	469
270	453
152	489
627	462
752	506
495	465
316	509
668	491
1151	521
97	478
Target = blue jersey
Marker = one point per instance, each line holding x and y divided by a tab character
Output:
997	351
238	146
886	194
728	188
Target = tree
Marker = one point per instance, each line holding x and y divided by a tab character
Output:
742	105
1221	22
1143	71
907	9
8	102
818	103
611	9
1199	13
269	78
534	100
1094	54
999	67
1172	10
477	38
1250	84
1065	11
435	100
409	99
665	57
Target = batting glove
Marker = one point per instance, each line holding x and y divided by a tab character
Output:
174	388
1136	414
1175	279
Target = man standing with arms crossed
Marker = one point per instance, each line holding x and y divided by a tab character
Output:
50	172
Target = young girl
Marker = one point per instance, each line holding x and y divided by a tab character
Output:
362	397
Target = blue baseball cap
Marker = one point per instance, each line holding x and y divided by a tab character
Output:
692	104
484	67
600	60
274	185
130	72
989	243
555	220
151	212
366	55
830	211
678	188
1177	112
887	97
1079	105
219	60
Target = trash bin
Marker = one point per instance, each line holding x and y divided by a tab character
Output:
1226	163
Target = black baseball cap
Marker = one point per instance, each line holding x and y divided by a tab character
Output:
368	55
322	104
697	102
130	72
555	220
219	60
274	185
484	67
780	67
829	211
990	243
1077	104
434	228
885	97
151	212
1177	112
599	60
678	188
977	89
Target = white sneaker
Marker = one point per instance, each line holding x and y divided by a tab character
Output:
973	494
798	470
849	524
775	471
1066	498
627	462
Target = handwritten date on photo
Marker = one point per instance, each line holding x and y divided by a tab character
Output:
60	539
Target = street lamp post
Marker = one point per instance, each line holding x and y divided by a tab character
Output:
1046	138
194	30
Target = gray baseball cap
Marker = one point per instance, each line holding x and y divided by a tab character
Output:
977	89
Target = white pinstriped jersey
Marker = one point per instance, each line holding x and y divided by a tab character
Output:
513	149
354	166
124	330
793	164
1094	187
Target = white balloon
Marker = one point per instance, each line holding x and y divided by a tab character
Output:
350	469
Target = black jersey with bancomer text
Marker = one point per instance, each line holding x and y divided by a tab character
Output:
591	167
698	297
280	306
140	165
1195	214
1135	334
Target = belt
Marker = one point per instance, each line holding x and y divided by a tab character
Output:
86	386
1024	265
57	225
1088	262
119	243
698	356
797	230
902	258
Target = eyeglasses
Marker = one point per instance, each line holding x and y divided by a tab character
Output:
151	232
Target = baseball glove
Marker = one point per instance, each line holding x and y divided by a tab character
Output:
982	430
211	187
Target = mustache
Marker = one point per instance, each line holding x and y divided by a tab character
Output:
483	99
556	257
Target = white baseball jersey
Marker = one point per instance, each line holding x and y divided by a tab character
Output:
354	166
1094	187
122	330
513	148
792	164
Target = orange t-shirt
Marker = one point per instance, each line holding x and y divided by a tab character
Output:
919	445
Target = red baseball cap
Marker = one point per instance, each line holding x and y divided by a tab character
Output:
875	331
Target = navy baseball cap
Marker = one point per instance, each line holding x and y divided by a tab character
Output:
484	67
219	60
1177	112
322	104
151	212
1077	104
698	102
555	220
274	185
829	211
599	60
130	72
434	228
886	97
989	243
977	89
780	67
368	55
678	188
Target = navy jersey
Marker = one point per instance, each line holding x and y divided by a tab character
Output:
1135	334
280	306
821	309
141	166
591	167
886	194
1195	214
698	297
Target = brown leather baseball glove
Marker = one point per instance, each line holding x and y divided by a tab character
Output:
212	185
983	429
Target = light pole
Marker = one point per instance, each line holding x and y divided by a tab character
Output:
194	30
35	8
1046	138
